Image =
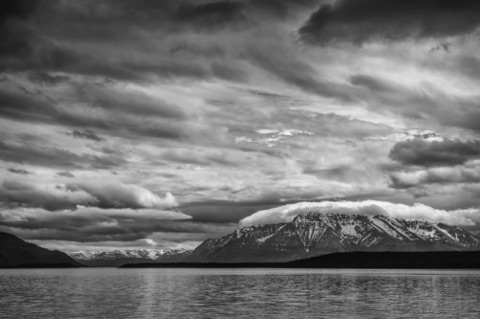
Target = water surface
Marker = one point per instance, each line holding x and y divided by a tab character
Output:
238	293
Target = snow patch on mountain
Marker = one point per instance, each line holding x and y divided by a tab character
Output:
313	234
150	254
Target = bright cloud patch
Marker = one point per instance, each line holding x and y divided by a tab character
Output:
102	194
119	195
287	213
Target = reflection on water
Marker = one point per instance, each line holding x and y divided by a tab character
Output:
238	293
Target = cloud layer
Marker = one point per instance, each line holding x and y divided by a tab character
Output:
425	153
90	224
223	108
390	20
100	194
287	213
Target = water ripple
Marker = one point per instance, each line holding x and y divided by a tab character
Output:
238	293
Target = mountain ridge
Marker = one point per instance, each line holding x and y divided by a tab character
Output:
314	234
15	252
115	258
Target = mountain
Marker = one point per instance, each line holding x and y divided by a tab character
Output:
315	234
117	258
15	252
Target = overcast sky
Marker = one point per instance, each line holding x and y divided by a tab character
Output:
113	112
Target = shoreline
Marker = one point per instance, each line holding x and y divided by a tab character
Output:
349	260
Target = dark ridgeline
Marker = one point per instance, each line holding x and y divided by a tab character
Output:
362	260
17	253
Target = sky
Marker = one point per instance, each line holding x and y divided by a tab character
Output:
159	124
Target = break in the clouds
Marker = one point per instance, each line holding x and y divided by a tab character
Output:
117	112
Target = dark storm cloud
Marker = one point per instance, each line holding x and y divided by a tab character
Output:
231	212
66	174
437	153
224	212
14	37
20	171
442	46
16	9
86	134
55	157
31	40
212	15
174	15
35	43
19	41
282	8
390	20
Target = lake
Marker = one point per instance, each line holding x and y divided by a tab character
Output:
238	293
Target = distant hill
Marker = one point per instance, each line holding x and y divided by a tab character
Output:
15	252
115	258
354	260
315	234
400	260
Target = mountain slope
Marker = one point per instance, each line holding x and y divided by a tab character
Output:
15	252
315	234
117	258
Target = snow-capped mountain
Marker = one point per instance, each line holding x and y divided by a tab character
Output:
120	257
115	254
314	234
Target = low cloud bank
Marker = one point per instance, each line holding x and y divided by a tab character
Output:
286	213
91	224
96	194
